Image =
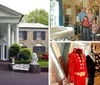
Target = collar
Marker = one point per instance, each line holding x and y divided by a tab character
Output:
92	58
77	49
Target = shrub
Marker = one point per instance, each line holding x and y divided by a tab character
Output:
14	50
25	54
40	54
22	61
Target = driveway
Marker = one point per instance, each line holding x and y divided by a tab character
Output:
22	78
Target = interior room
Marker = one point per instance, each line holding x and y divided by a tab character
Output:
59	53
64	17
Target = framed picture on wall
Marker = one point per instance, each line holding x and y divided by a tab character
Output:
78	7
96	10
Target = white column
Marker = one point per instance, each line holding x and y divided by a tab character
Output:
17	35
12	37
8	35
1	53
8	39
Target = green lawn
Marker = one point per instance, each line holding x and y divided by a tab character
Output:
43	63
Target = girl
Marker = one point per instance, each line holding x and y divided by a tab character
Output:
94	29
86	30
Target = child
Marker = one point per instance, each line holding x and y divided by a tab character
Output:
94	29
86	31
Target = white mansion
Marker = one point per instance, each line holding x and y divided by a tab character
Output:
9	20
31	35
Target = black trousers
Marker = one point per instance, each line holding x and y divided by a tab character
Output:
91	80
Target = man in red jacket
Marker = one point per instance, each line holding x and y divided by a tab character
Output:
77	67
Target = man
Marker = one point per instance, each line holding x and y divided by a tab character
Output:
82	14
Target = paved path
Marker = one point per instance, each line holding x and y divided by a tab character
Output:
20	78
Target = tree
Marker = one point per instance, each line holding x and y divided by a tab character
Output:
37	16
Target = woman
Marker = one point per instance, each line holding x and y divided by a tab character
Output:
90	16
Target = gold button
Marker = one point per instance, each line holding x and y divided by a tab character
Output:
80	64
80	67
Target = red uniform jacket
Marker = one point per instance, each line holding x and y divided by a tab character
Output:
77	68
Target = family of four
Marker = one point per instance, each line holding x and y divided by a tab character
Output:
88	26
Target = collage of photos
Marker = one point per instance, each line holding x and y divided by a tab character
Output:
49	42
74	42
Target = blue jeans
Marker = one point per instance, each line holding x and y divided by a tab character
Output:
93	36
86	33
81	33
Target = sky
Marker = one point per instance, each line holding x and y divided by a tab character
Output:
26	6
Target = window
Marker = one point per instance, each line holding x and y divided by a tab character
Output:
5	51
22	35
39	35
39	49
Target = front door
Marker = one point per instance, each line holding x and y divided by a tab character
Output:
3	53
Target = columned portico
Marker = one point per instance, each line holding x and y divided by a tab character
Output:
9	31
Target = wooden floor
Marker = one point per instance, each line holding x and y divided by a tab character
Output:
97	80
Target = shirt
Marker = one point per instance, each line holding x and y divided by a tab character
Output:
94	28
81	15
86	23
90	17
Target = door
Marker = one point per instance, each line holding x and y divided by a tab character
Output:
3	52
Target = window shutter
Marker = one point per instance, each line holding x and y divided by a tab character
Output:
25	35
43	49
43	35
35	49
34	35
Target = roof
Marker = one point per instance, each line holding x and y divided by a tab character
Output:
32	25
11	10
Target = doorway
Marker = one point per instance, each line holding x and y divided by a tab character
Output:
3	53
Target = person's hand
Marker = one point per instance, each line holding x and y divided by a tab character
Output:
65	82
86	81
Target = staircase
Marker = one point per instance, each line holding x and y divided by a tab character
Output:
4	66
